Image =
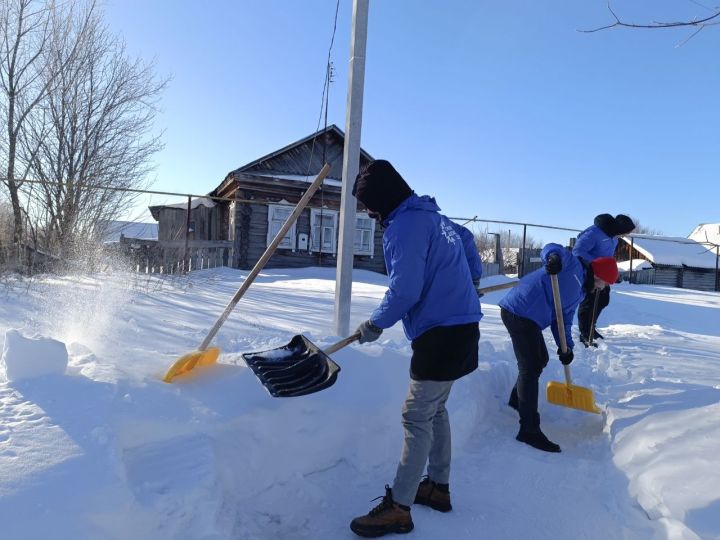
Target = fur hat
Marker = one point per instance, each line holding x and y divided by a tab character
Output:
381	188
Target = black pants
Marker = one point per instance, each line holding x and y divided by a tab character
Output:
532	357
445	353
585	311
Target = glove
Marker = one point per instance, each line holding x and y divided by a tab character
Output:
566	358
368	332
476	283
553	264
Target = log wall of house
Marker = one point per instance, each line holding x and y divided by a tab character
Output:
251	241
207	223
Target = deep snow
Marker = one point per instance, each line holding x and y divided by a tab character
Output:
106	450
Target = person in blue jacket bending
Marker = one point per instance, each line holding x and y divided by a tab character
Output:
598	240
528	309
433	268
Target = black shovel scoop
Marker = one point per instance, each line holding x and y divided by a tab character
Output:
298	368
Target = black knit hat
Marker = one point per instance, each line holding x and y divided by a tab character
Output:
381	188
623	224
606	223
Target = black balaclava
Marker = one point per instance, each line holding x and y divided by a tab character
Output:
606	223
381	188
623	224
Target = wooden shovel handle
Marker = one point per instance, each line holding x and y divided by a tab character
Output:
342	343
269	251
499	287
596	300
560	322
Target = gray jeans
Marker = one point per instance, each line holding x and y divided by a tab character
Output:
427	438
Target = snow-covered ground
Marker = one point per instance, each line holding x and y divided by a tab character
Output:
102	449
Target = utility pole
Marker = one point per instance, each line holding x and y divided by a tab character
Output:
351	163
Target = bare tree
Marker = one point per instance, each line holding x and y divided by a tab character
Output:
28	29
711	17
98	117
24	34
644	229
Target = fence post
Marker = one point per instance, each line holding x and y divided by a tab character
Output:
522	262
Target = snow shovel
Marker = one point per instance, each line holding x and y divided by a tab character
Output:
298	368
567	394
205	356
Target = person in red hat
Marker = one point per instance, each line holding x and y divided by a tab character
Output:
528	309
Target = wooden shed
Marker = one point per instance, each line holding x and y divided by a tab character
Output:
676	261
257	198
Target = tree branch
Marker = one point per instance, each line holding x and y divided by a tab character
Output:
697	23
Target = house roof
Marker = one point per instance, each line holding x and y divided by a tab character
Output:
287	161
112	230
637	264
672	250
706	232
194	203
300	161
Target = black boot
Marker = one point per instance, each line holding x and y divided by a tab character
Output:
586	341
513	401
597	335
537	440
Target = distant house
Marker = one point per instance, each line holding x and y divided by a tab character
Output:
675	261
707	233
115	231
246	210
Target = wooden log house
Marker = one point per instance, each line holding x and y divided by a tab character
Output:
257	198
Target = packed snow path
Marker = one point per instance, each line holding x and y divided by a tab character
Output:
106	450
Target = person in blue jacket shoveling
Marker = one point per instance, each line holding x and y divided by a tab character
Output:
433	269
598	240
528	309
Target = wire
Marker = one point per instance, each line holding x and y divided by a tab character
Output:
325	98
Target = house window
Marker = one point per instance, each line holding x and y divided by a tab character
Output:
323	229
277	216
364	243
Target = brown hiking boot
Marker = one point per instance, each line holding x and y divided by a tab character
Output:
431	494
387	517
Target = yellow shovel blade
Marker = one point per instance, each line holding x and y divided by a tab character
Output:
575	397
185	364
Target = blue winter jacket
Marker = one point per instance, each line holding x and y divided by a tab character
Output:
593	242
532	298
431	263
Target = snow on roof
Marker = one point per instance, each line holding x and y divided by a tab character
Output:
672	251
296	177
706	232
129	229
198	201
637	264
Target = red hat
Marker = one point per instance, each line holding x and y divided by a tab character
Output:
605	268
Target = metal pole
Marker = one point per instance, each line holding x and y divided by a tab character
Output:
351	164
717	259
632	244
522	262
187	229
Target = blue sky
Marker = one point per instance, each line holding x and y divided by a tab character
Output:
500	109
